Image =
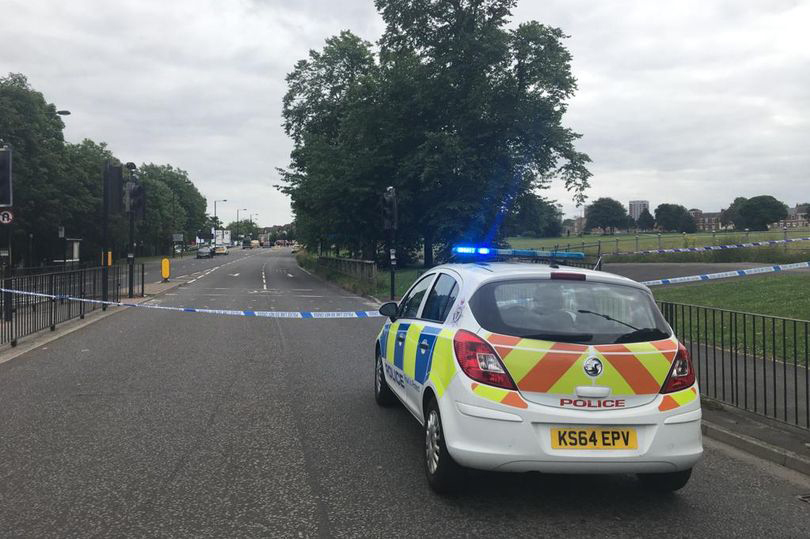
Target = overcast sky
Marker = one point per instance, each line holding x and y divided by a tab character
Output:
686	101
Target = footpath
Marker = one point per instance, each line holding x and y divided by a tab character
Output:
31	342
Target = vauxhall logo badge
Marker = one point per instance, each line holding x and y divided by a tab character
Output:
592	367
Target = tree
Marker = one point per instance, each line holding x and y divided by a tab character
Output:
457	111
60	184
687	224
645	220
731	215
670	217
760	211
534	216
245	228
605	213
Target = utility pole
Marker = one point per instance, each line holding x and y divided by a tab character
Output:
390	224
105	239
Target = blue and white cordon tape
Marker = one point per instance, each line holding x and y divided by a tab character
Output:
376	314
706	248
727	274
227	312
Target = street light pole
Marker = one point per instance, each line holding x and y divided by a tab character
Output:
214	239
237	221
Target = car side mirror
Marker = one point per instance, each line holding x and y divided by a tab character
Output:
389	309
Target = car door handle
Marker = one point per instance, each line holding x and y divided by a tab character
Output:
423	346
400	337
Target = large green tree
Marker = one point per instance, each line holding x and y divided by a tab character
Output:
760	211
605	213
645	220
672	217
731	215
60	184
459	112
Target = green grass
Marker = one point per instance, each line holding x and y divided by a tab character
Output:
784	295
624	243
381	289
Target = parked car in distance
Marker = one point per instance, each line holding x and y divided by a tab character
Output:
205	252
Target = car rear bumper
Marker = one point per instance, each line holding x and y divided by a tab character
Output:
488	435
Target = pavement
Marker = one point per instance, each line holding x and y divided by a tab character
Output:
153	423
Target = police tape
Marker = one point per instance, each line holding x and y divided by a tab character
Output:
727	274
227	312
707	248
376	314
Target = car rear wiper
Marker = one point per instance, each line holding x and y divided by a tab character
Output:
607	317
642	334
561	337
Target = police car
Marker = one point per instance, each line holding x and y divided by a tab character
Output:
539	367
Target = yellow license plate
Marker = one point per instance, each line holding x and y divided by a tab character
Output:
594	439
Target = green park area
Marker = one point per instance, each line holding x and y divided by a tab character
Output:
647	241
783	294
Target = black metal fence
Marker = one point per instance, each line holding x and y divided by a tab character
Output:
755	362
24	315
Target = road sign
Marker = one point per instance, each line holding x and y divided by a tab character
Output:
61	232
177	238
6	217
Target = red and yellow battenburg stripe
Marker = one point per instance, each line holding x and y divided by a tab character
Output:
496	394
557	368
677	399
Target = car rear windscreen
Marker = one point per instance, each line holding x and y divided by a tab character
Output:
584	312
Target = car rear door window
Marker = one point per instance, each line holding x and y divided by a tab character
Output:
440	299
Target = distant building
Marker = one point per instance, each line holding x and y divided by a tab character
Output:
798	217
637	207
707	221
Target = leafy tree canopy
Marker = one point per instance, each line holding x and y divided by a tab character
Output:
645	220
606	213
459	112
760	211
672	217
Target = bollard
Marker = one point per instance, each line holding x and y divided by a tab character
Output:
165	269
616	251
685	241
659	240
637	249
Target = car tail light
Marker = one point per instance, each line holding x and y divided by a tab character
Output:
567	276
681	374
479	361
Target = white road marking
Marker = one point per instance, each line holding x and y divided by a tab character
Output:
264	277
289	275
233	274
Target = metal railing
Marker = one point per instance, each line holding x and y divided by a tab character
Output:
23	315
755	362
365	270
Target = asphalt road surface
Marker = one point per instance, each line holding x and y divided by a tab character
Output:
151	423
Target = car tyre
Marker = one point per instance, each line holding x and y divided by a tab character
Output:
382	393
665	482
443	473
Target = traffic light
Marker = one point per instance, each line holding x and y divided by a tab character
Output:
137	198
114	182
5	178
390	216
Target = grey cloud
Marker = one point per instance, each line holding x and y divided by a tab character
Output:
683	101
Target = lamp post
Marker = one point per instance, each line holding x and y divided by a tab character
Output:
251	221
237	222
214	239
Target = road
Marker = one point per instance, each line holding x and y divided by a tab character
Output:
177	424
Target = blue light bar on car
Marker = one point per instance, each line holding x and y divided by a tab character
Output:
516	253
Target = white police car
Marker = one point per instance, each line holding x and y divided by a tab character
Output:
531	367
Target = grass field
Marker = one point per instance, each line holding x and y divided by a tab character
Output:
785	295
624	243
